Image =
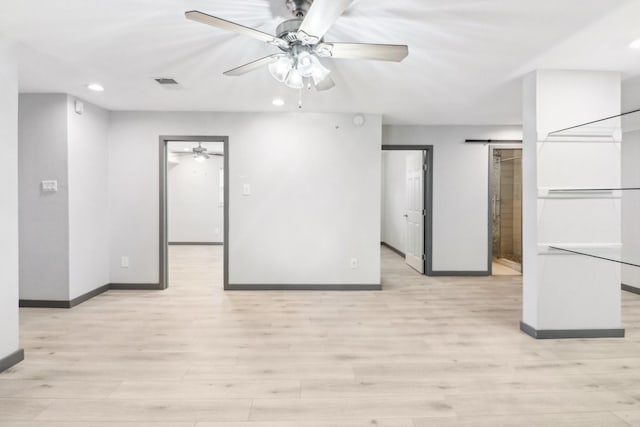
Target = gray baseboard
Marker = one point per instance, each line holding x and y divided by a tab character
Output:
460	273
302	287
62	303
88	295
32	303
135	286
398	251
12	359
570	333
196	243
632	289
43	303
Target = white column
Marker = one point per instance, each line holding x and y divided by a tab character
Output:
631	202
567	295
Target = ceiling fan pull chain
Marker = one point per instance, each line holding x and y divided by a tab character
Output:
300	99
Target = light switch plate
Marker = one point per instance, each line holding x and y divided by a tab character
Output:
49	186
79	106
246	189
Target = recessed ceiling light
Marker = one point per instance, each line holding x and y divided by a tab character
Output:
96	87
278	102
635	44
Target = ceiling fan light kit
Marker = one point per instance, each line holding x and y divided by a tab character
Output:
301	41
199	153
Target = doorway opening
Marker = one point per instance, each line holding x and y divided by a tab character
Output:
406	206
193	210
505	210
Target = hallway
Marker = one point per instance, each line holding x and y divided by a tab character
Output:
423	348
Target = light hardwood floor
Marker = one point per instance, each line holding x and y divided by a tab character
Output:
422	352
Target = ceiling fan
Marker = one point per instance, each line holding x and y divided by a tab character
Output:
199	153
301	41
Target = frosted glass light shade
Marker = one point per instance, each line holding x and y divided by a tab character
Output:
294	79
281	68
320	72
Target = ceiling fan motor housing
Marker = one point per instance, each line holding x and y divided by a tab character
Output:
299	8
288	30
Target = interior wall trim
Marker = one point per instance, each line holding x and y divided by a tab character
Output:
302	287
462	273
427	198
63	303
162	197
542	334
396	250
490	209
136	286
12	359
38	303
43	303
632	289
195	243
87	296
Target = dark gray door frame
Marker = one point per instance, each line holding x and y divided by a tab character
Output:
427	177
163	236
492	148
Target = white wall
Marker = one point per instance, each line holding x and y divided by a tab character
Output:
9	198
315	203
88	210
63	235
44	217
194	208
460	189
394	198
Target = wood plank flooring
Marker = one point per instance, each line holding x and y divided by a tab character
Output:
422	352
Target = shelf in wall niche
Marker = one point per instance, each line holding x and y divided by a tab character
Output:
595	136
611	252
589	190
606	130
584	193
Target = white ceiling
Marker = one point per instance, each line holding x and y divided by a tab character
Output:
464	67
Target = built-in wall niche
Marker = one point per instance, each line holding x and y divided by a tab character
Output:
591	206
195	192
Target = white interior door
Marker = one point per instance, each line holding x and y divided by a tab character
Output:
415	212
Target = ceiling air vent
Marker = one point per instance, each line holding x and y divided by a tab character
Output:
166	81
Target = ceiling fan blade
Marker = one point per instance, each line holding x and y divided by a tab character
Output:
244	69
223	24
321	16
380	52
325	84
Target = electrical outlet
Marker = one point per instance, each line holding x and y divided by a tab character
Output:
354	263
124	262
